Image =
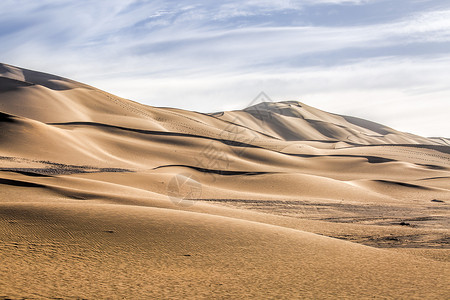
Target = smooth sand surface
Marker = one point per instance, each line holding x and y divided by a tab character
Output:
103	197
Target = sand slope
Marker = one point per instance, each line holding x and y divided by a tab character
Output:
103	197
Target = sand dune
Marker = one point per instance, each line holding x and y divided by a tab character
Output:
103	197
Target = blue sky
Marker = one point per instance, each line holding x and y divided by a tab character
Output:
388	61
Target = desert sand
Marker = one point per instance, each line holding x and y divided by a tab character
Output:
103	197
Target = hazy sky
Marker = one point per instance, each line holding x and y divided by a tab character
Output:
387	61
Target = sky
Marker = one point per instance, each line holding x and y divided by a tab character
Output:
386	61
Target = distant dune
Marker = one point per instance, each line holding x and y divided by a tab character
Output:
103	197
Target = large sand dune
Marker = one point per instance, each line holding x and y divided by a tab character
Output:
103	197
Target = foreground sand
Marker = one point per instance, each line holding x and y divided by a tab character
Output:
102	197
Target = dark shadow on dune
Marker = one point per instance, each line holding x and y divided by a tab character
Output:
26	173
53	82
370	159
31	77
3	69
327	130
219	172
19	183
408	185
9	84
248	128
216	114
433	178
375	127
432	167
276	125
6	118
